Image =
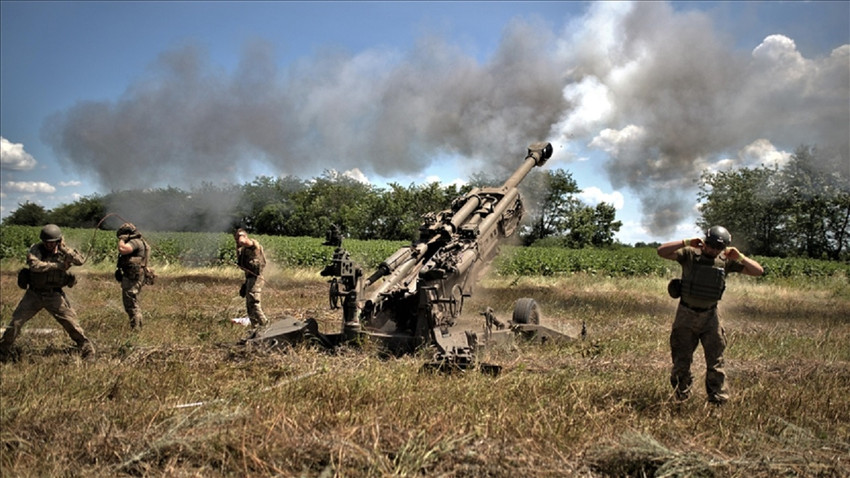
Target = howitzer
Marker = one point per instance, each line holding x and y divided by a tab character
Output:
414	298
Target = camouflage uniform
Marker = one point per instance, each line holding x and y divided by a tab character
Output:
48	275
133	267
252	260
697	321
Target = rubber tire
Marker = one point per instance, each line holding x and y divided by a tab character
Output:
526	311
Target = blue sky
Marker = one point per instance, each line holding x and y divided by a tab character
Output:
637	99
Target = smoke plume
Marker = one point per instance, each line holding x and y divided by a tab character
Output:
661	93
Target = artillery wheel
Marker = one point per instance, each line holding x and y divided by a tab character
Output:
526	311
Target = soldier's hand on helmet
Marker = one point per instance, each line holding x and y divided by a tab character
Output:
695	242
734	254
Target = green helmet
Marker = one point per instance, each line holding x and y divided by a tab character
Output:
50	233
718	237
126	229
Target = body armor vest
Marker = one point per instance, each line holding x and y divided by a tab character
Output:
132	265
49	279
706	282
252	259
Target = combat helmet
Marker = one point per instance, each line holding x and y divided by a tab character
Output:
126	229
718	237
50	233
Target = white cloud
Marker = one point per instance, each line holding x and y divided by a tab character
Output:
594	196
66	184
29	187
614	141
357	175
457	182
592	107
13	156
762	151
780	54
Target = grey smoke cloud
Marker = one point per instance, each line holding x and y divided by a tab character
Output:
666	97
186	121
661	93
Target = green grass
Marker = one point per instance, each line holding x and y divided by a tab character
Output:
180	399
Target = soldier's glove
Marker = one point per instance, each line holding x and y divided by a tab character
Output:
70	279
119	275
243	290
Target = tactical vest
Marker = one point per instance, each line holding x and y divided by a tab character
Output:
50	279
252	259
132	265
706	282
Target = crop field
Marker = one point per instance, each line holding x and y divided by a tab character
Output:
181	398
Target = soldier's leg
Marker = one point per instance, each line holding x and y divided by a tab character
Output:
29	305
59	306
253	294
683	343
714	345
130	290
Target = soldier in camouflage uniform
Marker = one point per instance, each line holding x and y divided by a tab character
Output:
133	254
48	262
251	259
705	265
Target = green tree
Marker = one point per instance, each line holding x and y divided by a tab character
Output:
267	204
591	226
816	188
747	203
552	203
399	210
336	199
801	209
85	212
27	214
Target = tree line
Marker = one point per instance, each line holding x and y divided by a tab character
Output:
290	206
801	209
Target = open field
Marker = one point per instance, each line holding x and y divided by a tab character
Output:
180	399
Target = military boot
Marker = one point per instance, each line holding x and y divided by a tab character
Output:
8	355
136	321
86	349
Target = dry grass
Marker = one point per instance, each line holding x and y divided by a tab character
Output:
180	399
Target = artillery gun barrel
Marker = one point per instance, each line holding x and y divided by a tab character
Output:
538	154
